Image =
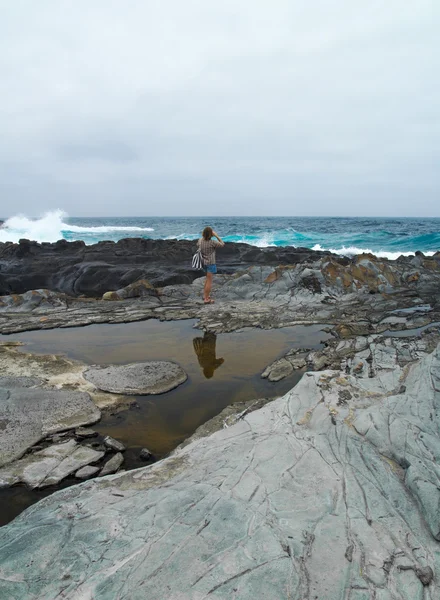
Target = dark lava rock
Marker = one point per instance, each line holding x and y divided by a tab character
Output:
76	269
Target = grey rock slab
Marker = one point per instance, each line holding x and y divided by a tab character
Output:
11	381
28	415
113	444
80	457
33	469
86	472
291	501
278	370
48	466
154	377
112	465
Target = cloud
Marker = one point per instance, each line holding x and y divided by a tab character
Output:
281	108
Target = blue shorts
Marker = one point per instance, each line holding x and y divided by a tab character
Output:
210	269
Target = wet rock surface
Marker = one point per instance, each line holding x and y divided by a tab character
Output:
154	377
310	496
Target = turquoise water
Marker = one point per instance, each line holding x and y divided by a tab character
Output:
388	237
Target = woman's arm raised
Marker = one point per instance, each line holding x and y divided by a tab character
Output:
220	241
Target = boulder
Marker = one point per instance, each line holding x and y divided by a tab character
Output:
86	472
145	454
112	465
154	377
138	289
113	444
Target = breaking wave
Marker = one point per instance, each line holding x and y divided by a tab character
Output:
353	250
52	227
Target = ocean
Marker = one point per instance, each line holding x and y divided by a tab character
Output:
384	237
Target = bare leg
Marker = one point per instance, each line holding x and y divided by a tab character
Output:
207	287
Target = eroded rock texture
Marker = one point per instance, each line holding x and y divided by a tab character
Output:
29	414
76	269
364	296
330	492
153	377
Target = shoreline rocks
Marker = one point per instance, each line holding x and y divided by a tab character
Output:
363	296
76	269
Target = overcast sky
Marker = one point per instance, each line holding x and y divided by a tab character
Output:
220	107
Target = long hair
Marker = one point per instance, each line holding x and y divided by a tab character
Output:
207	233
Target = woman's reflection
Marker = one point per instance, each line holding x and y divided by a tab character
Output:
205	350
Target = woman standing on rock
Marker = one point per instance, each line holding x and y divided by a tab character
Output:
207	247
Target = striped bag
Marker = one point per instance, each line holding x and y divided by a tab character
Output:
197	261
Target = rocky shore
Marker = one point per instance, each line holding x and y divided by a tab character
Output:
77	269
331	491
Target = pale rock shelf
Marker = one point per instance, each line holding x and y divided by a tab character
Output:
330	492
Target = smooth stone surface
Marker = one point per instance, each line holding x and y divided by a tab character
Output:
112	465
113	444
86	472
291	501
48	466
154	377
28	415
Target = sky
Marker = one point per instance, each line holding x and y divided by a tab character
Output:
220	107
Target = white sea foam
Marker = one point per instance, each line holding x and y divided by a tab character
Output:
265	241
51	228
353	250
102	229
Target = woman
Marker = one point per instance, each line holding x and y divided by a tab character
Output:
207	247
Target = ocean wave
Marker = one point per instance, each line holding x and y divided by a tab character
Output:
102	229
343	236
52	227
353	251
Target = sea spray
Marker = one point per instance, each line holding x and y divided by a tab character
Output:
52	227
48	228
